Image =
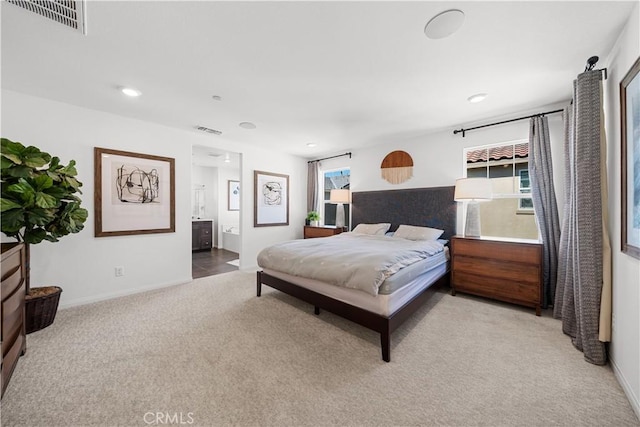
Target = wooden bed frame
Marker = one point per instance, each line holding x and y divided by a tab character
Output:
376	322
433	207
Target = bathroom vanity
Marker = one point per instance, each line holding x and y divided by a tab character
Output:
201	235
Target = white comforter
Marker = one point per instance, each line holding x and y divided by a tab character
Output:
357	261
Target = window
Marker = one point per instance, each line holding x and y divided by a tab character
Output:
510	213
526	204
334	179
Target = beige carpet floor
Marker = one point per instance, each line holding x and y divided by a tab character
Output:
213	354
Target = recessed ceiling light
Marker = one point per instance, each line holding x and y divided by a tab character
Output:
478	97
311	144
129	91
247	125
444	24
217	98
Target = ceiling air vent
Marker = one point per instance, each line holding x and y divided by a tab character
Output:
208	130
67	12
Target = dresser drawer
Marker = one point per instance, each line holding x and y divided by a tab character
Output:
10	359
12	315
13	289
12	281
10	264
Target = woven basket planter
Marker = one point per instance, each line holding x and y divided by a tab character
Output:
41	306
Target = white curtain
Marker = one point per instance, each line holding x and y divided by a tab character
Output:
583	290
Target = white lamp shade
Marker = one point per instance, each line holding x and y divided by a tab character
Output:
340	196
472	189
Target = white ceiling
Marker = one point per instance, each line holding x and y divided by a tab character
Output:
342	75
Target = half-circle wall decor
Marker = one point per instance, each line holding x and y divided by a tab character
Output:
397	167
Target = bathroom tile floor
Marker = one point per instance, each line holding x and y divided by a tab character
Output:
209	263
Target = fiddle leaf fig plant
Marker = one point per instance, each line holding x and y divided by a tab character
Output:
39	200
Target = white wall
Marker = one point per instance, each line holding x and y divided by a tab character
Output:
625	342
438	158
84	265
80	263
254	239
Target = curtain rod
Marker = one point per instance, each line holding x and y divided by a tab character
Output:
591	63
332	157
463	131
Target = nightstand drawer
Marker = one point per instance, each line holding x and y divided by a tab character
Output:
495	287
313	232
524	273
514	252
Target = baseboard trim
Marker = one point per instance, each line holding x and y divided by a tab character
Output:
626	387
110	295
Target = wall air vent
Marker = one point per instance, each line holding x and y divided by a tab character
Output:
67	12
208	130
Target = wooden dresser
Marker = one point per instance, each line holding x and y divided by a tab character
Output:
13	285
311	232
503	269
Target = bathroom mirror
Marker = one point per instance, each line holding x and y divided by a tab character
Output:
198	201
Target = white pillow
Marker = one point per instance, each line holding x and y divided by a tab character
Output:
376	229
412	232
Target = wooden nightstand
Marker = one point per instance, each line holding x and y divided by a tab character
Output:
311	232
504	269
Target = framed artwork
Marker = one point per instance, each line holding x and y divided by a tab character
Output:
270	199
134	193
233	201
630	159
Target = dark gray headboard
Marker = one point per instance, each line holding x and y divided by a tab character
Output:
428	207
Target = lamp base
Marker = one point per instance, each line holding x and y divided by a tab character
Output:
472	225
340	215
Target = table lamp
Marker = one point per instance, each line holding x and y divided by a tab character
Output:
472	190
340	197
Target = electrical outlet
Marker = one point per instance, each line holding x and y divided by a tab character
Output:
613	321
119	271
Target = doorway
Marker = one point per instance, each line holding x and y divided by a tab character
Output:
215	211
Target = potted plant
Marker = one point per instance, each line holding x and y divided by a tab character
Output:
314	218
38	203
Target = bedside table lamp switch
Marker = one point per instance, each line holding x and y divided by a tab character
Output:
472	190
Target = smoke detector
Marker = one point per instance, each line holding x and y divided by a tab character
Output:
71	13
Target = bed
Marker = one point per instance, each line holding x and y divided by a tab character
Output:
386	311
